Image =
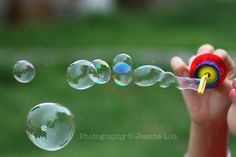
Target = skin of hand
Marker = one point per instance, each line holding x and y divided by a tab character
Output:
208	112
232	110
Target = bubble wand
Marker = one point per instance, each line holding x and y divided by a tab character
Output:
210	69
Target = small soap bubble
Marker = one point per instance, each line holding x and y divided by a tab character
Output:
23	71
147	75
78	74
101	73
124	58
50	126
168	79
122	74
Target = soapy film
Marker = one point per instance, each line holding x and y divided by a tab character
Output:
148	75
83	74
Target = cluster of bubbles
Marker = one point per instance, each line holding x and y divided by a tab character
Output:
50	126
83	74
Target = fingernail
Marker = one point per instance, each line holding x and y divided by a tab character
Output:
205	49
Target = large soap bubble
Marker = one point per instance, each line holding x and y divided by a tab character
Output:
50	126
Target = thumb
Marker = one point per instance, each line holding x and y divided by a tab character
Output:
179	67
227	88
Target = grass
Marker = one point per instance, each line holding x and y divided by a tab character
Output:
105	109
186	27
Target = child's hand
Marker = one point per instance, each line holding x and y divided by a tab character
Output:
208	136
212	107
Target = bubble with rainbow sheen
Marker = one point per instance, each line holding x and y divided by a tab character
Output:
122	74
23	71
101	73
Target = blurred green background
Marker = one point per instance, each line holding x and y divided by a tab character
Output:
151	31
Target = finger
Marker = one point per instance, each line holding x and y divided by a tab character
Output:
226	87
232	110
232	95
191	59
228	61
234	84
231	119
207	48
179	67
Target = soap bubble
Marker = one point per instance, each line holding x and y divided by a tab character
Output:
125	58
122	74
182	83
83	74
101	73
23	71
50	126
168	79
147	75
78	74
188	83
122	69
